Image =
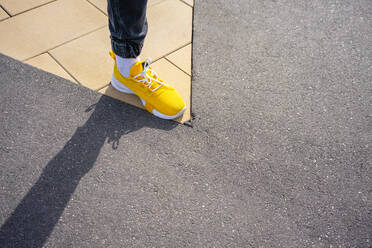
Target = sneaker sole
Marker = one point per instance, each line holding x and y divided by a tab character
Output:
122	88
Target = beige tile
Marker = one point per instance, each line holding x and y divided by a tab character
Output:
17	6
189	2
43	28
172	75
47	63
170	26
182	58
102	4
3	14
88	59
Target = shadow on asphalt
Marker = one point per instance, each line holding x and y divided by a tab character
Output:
33	220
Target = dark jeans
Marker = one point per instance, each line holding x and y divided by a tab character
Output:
128	26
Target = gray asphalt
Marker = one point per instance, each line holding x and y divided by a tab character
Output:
278	155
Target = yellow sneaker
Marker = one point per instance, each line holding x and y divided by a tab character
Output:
158	98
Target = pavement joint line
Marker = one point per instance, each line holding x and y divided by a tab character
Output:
64	43
187	4
38	6
64	68
192	64
169	53
177	66
97	7
6	11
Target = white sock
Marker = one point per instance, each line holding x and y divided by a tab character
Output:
124	64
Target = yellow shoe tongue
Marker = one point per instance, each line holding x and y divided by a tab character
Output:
136	69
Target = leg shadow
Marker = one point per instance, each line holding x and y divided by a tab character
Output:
34	218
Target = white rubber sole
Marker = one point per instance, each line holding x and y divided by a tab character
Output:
122	88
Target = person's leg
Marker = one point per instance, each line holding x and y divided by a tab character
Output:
128	26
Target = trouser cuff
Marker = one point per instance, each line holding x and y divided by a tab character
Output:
126	49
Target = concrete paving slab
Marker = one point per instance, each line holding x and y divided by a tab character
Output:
278	156
39	30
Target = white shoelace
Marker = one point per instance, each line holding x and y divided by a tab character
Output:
146	78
